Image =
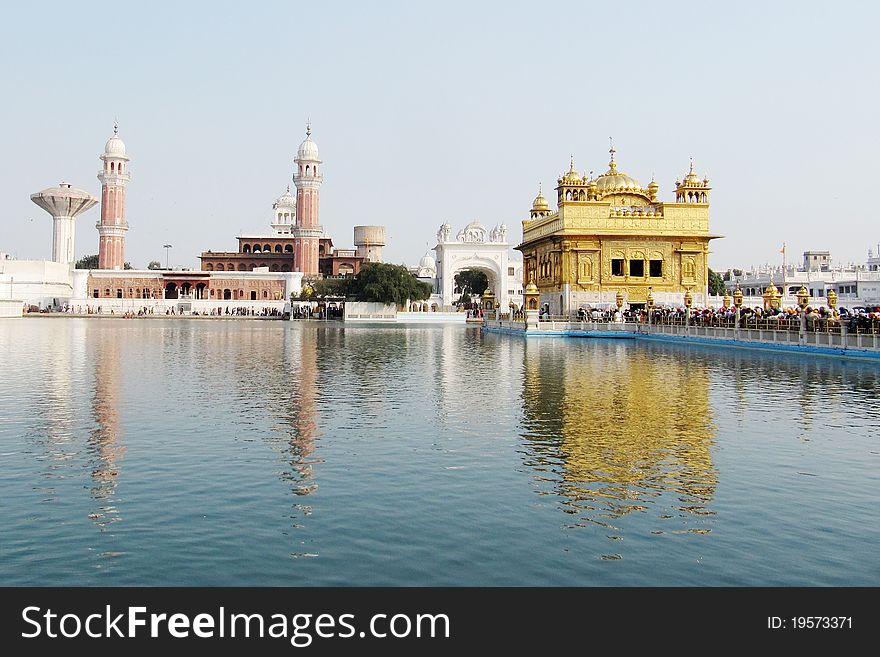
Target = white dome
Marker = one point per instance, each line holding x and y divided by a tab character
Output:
427	262
286	200
114	146
308	150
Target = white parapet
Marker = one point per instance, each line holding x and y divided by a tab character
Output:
11	308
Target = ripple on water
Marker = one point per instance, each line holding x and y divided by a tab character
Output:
177	452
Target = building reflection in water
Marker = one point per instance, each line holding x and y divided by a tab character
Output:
616	430
297	408
104	445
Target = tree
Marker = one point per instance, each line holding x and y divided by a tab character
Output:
154	264
385	283
472	282
333	287
87	262
716	283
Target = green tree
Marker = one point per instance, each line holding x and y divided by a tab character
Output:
385	283
716	283
471	282
335	287
154	264
87	262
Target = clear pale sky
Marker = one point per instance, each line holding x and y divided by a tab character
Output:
449	111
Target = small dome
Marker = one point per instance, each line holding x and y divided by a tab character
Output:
308	150
540	203
427	262
572	177
286	200
692	179
114	146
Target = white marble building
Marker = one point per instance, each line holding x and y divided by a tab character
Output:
473	247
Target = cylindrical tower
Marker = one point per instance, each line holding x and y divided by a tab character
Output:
308	229
112	227
64	203
369	241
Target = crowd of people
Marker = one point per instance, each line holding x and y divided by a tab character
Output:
817	318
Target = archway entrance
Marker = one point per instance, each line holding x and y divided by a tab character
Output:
171	291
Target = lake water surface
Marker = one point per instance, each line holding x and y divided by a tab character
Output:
223	452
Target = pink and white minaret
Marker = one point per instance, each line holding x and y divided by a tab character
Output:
112	227
307	230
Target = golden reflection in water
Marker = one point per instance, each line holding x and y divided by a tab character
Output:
105	440
620	426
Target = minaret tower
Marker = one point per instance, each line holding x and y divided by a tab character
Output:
307	230
114	177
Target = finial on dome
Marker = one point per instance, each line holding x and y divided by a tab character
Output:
540	191
611	150
115	127
288	189
571	160
692	165
309	128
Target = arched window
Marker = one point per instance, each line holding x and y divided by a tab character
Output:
106	291
241	266
277	248
209	267
257	248
120	167
227	293
230	267
219	267
267	248
253	295
307	169
112	166
274	267
265	294
246	248
285	267
288	249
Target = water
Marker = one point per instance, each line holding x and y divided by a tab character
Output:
222	452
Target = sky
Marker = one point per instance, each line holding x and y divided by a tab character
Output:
453	111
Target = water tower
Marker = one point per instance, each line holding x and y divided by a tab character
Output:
369	241
65	204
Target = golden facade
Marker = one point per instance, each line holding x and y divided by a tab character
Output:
610	234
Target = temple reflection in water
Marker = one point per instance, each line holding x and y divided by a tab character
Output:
622	427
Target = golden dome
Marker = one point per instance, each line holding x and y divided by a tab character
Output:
616	181
540	203
692	179
572	177
531	288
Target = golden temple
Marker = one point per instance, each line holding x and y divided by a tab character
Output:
609	234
